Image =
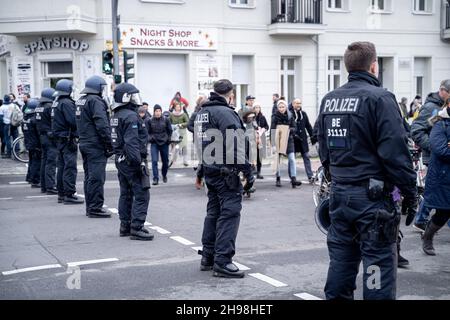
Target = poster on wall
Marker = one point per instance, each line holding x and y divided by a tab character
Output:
22	75
89	65
207	74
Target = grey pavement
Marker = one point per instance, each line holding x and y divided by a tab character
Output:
277	239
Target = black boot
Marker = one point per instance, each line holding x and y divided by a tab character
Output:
155	182
258	175
60	198
401	261
295	183
141	234
99	213
278	184
229	270
52	191
73	199
207	262
427	238
125	229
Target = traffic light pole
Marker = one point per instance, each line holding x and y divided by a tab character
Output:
115	36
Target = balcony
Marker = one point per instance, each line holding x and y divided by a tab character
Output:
19	18
447	21
296	17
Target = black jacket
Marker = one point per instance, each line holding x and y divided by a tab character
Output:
64	123
361	135
261	121
284	119
159	130
217	114
303	126
44	118
30	132
421	128
129	135
191	123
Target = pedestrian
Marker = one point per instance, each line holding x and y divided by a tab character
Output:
222	180
414	108
48	143
283	118
365	150
403	108
275	98
198	105
64	129
262	128
32	143
2	136
180	119
147	113
182	101
159	134
249	101
94	131
437	185
129	139
303	129
25	98
420	133
6	112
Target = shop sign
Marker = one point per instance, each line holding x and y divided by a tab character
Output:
46	44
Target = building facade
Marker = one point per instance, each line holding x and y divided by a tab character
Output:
291	47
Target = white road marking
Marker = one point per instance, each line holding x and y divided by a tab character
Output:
197	248
306	296
36	197
113	210
160	230
147	223
82	263
48	266
182	240
6	198
241	266
18	182
267	279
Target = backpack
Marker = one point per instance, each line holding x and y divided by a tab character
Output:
16	116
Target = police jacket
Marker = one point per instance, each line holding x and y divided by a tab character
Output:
159	130
64	124
302	127
217	115
284	119
30	132
421	128
129	135
44	118
437	185
361	135
93	122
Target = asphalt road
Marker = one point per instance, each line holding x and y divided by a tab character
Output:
278	241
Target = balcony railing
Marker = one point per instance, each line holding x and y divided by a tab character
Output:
297	11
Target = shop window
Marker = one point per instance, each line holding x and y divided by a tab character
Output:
56	70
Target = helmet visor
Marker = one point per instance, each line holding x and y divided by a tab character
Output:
134	98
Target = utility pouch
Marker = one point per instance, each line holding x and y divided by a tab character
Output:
375	189
231	179
385	227
145	177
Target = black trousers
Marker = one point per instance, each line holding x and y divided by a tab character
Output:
48	162
223	214
67	169
34	166
352	215
94	165
134	198
441	217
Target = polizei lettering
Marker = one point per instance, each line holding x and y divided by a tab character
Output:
340	105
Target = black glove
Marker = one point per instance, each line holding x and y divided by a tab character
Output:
409	207
313	140
249	183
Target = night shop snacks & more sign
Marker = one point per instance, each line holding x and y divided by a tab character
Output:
157	37
45	44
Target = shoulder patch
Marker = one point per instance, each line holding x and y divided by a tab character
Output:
134	126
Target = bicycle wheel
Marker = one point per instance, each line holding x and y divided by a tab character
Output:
20	155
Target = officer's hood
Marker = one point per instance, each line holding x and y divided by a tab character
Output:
216	100
434	98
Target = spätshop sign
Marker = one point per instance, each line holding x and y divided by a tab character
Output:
43	44
157	37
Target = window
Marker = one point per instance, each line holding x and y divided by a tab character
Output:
288	79
338	5
334	73
423	6
381	6
56	70
242	3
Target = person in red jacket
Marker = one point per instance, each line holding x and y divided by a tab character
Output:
178	98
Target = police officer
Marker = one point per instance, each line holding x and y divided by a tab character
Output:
129	140
95	143
48	143
222	180
366	152
64	129
32	143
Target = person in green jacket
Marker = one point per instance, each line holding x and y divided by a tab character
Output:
180	119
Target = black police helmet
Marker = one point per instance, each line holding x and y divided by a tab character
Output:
31	105
63	88
94	84
47	95
126	93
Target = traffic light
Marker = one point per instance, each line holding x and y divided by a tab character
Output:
128	66
107	62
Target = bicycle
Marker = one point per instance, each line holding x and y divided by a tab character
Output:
19	151
321	189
